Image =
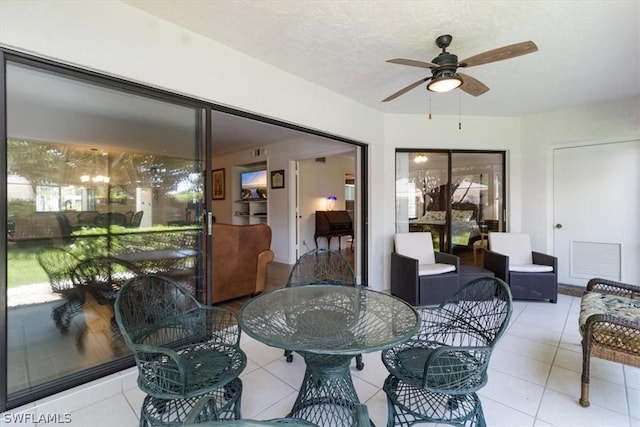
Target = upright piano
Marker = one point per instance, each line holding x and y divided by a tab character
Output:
333	224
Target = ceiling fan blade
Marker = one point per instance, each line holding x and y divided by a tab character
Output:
472	85
505	52
412	63
405	90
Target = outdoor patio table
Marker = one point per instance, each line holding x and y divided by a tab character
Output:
154	260
328	325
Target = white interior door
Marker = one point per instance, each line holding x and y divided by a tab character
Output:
597	211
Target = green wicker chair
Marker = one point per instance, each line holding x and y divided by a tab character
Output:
188	355
60	266
361	419
434	376
322	266
102	278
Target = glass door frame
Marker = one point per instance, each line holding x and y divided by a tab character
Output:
85	76
450	153
205	140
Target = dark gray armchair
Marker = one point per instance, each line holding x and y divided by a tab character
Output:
530	275
419	275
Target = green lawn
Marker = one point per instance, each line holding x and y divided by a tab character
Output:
23	268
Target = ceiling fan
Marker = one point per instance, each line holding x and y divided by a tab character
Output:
444	68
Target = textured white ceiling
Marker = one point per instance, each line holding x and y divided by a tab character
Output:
589	51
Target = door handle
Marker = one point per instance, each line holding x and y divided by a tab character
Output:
558	226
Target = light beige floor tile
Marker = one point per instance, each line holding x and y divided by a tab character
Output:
602	393
599	368
497	414
540	423
535	333
513	392
104	413
563	410
290	372
520	366
261	354
632	377
526	347
634	403
377	408
261	390
135	397
571	340
279	409
374	371
364	390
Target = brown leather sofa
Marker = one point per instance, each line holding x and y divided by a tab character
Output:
240	257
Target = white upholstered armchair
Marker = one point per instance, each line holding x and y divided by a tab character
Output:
530	275
419	275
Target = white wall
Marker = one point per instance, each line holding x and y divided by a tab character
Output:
542	133
116	39
318	181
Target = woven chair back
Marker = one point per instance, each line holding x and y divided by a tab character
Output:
155	311
321	266
60	265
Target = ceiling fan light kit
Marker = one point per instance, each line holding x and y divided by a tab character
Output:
444	81
444	68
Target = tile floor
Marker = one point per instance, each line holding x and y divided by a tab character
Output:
534	380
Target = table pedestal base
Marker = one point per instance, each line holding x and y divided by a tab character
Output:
327	396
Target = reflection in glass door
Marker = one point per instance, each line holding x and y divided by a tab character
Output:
102	184
458	196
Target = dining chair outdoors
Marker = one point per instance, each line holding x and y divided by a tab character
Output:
102	278
188	355
434	376
136	220
322	267
60	265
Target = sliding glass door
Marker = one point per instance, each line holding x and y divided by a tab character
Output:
103	182
458	196
105	179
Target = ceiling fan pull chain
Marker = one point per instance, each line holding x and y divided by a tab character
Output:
459	112
429	107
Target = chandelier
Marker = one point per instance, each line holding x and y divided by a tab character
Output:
96	179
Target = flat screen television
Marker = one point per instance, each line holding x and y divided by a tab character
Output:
254	185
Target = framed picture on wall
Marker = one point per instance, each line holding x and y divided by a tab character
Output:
218	184
277	179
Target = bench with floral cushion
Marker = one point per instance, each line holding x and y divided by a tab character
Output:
610	326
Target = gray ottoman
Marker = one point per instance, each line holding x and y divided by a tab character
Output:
470	272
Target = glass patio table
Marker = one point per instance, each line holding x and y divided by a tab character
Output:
328	325
157	260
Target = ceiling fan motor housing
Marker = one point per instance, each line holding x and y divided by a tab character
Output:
446	60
